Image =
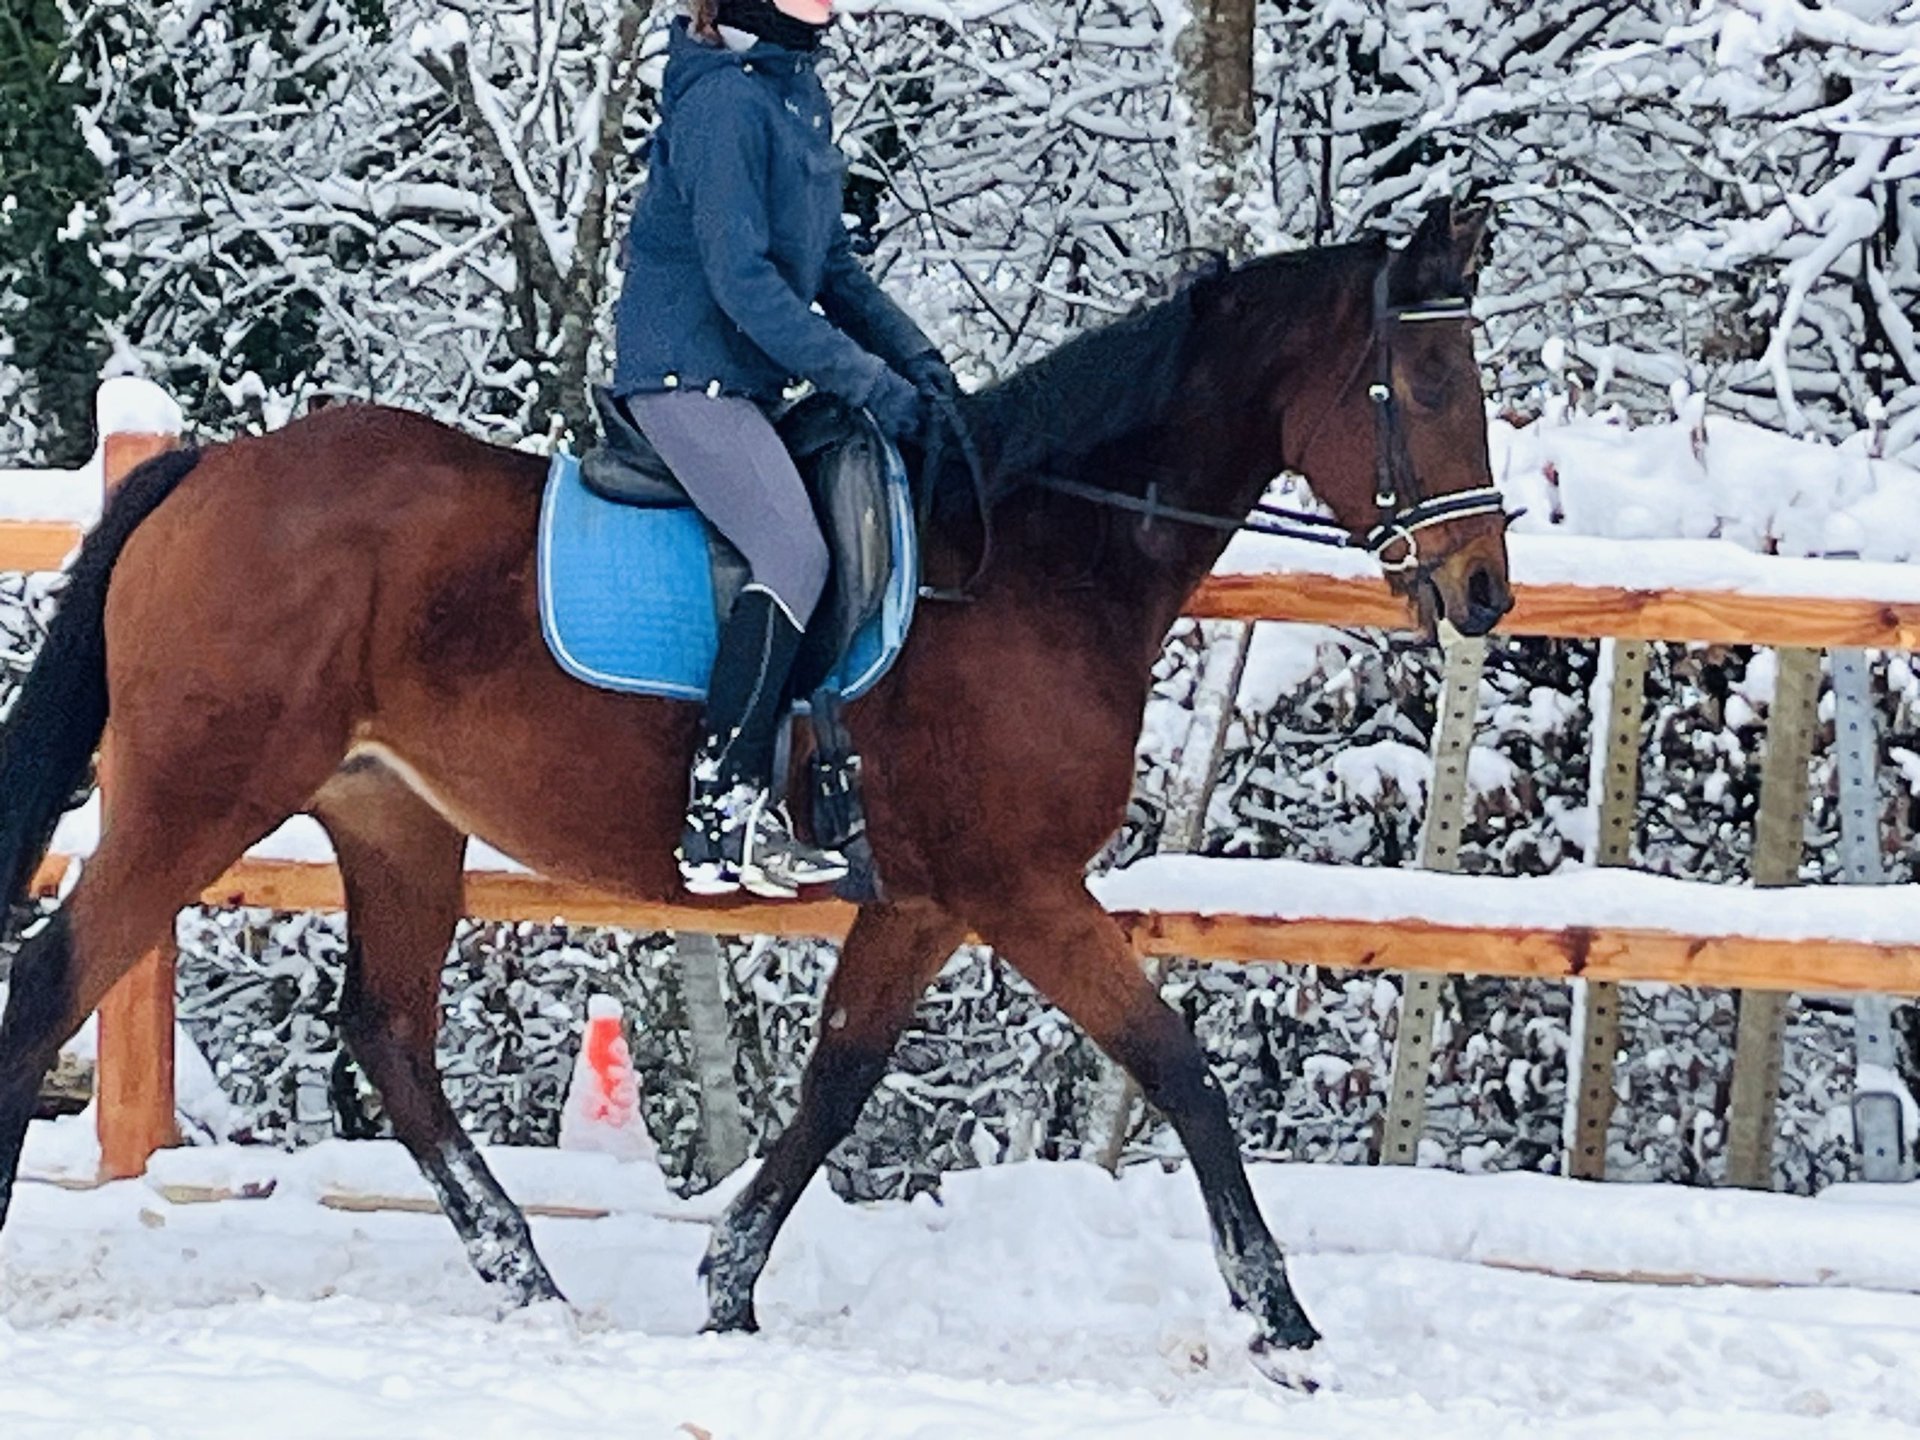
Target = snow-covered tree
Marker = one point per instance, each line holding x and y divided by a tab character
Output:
54	292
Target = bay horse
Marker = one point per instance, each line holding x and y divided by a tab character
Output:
340	618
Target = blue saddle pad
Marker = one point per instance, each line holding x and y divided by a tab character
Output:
626	592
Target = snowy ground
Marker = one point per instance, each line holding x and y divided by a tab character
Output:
1037	1300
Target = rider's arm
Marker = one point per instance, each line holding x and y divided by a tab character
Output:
855	302
719	160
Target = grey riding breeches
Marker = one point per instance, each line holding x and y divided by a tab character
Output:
733	465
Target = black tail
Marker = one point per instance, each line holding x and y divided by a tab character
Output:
48	738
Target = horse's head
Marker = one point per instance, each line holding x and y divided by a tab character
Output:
1376	396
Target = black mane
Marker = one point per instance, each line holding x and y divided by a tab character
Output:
1106	384
1088	392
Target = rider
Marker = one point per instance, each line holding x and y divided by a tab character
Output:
736	234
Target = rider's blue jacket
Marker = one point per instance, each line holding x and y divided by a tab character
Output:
737	230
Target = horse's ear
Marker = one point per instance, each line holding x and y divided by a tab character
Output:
1424	266
1436	229
1469	237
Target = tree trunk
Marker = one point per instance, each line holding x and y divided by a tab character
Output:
1214	53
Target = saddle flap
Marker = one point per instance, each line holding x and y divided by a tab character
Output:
843	459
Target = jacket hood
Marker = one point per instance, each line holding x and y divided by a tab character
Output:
689	61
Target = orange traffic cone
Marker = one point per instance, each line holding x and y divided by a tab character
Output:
603	1102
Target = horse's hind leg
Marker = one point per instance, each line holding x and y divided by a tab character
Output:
1073	951
402	867
889	957
40	1002
162	844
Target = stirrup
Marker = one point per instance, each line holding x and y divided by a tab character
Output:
776	864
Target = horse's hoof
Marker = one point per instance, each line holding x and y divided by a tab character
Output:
536	1294
1305	1368
551	1312
732	1322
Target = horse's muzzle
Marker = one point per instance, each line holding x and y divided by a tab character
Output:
1472	594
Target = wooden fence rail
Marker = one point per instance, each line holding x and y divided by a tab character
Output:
1773	613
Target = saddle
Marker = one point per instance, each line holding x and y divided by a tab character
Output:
846	465
635	585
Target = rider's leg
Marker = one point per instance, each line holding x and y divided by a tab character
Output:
732	463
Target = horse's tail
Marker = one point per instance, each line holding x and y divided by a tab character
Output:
48	738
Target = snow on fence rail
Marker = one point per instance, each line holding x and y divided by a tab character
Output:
1598	927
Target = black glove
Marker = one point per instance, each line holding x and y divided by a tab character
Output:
897	407
929	373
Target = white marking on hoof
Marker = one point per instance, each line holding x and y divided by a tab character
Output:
1307	1370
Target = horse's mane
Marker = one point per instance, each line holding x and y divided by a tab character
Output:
1084	394
1106	384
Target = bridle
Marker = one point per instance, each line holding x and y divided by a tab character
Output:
1396	493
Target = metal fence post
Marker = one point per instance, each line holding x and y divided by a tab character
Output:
1439	850
703	993
1778	843
1600	1001
1879	1128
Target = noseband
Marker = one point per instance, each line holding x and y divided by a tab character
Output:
1396	492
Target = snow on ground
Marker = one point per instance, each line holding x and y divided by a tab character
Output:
1034	1300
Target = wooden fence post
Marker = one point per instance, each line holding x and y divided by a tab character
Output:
1779	839
1599	1000
133	1084
1439	850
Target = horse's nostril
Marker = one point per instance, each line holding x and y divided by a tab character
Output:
1480	589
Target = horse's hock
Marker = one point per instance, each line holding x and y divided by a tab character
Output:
1597	930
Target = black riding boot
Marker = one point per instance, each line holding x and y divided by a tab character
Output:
735	834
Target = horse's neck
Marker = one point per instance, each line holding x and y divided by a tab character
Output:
1214	454
1172	565
1243	437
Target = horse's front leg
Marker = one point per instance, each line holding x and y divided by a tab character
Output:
1077	956
889	958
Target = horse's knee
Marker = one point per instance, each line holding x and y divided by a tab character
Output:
838	1084
370	1019
395	1047
1163	1057
362	1019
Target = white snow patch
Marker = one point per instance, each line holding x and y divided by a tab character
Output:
1600	899
301	839
1281	659
1651	565
1043	1300
440	36
72	496
130	405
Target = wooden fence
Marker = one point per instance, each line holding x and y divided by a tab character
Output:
1801	611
